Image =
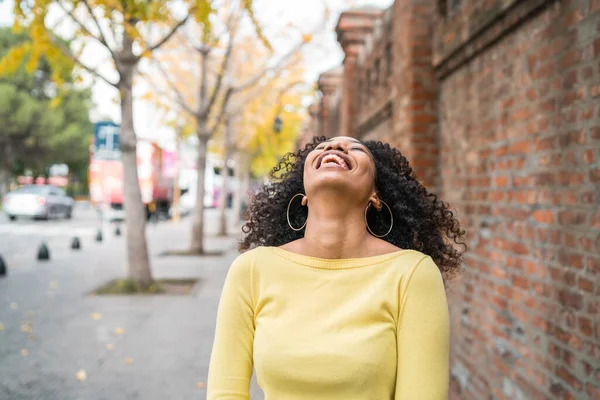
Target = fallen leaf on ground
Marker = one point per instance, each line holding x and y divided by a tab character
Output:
129	361
14	306
81	375
26	327
29	314
53	284
96	316
200	385
1	326
110	346
119	331
24	352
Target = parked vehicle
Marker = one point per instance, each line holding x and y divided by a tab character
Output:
38	201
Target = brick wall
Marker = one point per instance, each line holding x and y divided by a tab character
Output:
497	105
520	152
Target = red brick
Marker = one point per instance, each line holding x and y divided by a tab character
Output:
544	216
569	378
520	147
586	284
571	217
573	18
501	181
594	175
595	221
585	326
520	281
593	391
589	156
570	299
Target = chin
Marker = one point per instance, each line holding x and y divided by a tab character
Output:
333	179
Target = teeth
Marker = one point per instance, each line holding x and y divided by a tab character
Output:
334	159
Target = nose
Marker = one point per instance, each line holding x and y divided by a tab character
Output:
336	145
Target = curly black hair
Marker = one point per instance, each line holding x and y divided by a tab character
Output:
422	222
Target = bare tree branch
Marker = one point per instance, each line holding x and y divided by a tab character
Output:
67	52
82	26
221	116
168	35
166	95
180	98
221	73
275	67
102	36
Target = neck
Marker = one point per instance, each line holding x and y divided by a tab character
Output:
335	229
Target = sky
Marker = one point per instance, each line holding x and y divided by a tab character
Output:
321	56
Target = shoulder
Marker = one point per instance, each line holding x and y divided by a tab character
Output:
423	276
246	260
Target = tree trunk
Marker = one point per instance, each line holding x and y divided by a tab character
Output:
197	242
4	181
135	215
239	188
224	197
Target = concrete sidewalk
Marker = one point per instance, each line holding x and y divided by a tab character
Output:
130	347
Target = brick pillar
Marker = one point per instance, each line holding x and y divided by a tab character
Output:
352	29
414	87
328	83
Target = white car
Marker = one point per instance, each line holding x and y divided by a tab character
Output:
38	201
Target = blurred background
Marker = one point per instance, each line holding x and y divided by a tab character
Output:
132	134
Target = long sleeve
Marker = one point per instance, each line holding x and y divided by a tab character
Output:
423	335
231	361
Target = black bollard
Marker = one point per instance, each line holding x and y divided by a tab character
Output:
99	235
3	268
43	252
118	231
75	243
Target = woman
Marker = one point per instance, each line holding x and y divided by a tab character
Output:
341	296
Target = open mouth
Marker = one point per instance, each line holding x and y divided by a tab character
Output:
334	160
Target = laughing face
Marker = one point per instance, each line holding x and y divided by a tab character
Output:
342	163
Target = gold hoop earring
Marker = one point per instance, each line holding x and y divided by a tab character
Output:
288	213
391	219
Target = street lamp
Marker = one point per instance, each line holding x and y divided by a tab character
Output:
277	124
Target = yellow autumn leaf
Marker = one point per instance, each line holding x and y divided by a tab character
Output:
81	375
24	352
96	316
119	331
26	327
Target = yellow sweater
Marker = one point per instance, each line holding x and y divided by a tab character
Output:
373	328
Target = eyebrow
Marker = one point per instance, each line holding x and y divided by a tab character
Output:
352	140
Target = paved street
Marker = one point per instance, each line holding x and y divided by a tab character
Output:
146	347
19	240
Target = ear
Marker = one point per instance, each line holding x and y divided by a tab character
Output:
304	201
374	199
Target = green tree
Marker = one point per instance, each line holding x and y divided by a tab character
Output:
34	131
